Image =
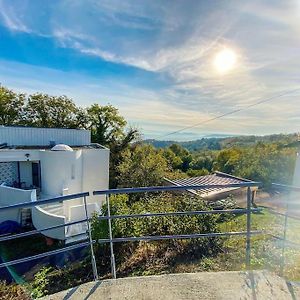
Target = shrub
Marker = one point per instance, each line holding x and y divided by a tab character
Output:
166	225
13	292
40	283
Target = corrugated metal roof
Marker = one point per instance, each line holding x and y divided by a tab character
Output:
217	178
33	136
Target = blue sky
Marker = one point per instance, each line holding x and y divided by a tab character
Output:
154	60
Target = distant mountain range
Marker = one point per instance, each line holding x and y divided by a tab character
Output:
220	141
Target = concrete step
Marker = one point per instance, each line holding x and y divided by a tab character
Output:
192	286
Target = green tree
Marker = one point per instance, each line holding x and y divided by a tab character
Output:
174	161
11	107
198	172
108	128
106	124
43	110
183	154
227	160
267	163
142	166
163	225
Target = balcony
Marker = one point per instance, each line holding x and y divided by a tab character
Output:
60	213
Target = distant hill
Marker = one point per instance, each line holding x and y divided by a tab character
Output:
218	142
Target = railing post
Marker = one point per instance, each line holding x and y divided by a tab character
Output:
282	261
112	256
93	259
248	238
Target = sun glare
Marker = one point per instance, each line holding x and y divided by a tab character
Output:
225	60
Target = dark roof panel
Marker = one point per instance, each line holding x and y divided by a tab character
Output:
218	178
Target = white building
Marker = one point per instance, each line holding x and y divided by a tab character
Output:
42	163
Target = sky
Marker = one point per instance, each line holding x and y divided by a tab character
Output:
155	61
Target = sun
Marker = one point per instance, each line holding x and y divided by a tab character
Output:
225	60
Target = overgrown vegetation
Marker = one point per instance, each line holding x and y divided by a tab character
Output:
40	283
13	292
167	225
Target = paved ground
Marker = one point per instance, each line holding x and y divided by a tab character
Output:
207	285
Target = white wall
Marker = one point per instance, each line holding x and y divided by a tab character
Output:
95	172
11	196
61	174
83	170
42	219
19	155
60	170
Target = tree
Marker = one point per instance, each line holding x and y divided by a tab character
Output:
106	124
43	110
169	250
11	107
174	161
142	166
108	128
227	160
267	163
183	154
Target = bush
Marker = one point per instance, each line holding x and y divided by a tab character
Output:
166	225
13	292
40	283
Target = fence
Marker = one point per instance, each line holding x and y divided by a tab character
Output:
246	211
286	215
112	240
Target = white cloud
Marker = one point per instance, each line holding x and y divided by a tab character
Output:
11	20
177	43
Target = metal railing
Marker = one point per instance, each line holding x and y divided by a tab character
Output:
285	242
36	231
248	210
111	239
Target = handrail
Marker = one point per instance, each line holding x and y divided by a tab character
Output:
286	187
45	254
174	188
272	211
177	236
109	217
46	201
297	245
32	232
181	213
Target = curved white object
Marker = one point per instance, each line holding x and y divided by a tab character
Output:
42	219
61	147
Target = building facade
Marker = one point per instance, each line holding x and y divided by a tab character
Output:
42	163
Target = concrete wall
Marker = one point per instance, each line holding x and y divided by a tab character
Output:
11	196
61	170
66	172
19	155
42	219
95	172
